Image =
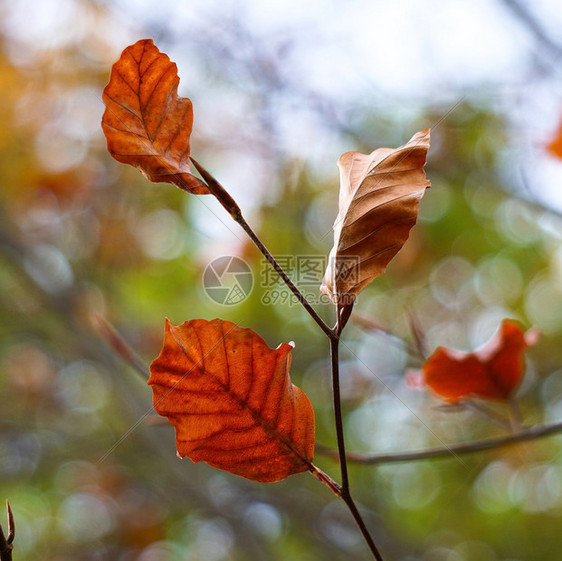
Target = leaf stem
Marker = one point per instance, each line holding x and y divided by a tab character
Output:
121	347
345	491
325	479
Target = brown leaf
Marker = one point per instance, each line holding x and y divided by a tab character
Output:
231	401
378	205
491	372
145	123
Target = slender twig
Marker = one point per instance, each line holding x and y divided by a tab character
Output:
515	416
531	433
336	395
367	324
345	490
418	334
487	414
121	347
234	210
6	546
362	526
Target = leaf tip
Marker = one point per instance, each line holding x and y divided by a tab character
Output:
147	41
421	139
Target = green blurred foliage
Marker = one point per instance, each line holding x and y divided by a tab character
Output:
88	470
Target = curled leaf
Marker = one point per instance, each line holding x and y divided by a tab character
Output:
146	123
230	398
378	205
492	372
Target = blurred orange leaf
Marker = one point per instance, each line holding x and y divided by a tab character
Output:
378	205
146	124
230	398
555	145
492	372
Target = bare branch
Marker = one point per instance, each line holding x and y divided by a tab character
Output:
532	433
121	347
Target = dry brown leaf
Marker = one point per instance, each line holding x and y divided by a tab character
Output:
146	124
378	205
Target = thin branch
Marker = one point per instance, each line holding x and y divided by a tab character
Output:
531	433
336	395
362	526
488	414
515	416
234	210
121	347
367	324
345	491
418	334
6	546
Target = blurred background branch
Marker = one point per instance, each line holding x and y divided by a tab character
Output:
530	433
525	15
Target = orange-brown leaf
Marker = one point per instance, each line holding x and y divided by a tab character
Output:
230	398
491	372
146	124
378	205
555	145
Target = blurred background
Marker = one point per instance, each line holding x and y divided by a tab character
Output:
280	90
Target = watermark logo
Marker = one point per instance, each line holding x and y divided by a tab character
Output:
228	280
307	272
